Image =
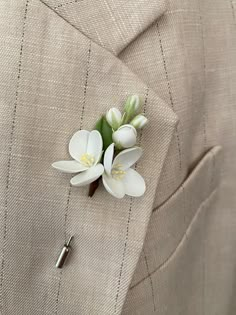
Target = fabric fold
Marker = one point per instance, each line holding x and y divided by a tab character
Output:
111	24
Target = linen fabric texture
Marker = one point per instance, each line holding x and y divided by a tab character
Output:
63	64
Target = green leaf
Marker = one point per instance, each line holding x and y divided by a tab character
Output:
105	130
98	125
106	133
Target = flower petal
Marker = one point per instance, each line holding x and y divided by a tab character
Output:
134	183
78	144
69	166
88	176
108	157
95	145
128	157
113	186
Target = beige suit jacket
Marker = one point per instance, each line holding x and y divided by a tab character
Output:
63	64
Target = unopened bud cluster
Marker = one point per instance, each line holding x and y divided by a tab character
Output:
125	125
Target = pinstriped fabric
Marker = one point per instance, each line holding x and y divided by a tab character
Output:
157	258
190	29
123	256
138	15
67	82
170	95
151	283
14	116
67	235
60	5
154	252
64	63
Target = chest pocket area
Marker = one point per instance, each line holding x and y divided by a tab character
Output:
172	265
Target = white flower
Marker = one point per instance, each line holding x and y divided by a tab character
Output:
86	149
139	121
114	117
119	179
125	136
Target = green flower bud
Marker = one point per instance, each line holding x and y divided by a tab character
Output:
132	106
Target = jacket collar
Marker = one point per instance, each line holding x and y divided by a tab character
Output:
109	233
111	24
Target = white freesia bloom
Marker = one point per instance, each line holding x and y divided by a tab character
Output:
114	117
119	179
86	149
125	136
139	121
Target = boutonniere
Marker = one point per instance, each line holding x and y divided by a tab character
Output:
108	153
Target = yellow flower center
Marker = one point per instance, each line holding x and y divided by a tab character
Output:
87	160
117	172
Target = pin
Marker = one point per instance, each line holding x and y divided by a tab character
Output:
64	254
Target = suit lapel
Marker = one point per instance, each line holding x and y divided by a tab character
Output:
111	24
67	81
110	232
